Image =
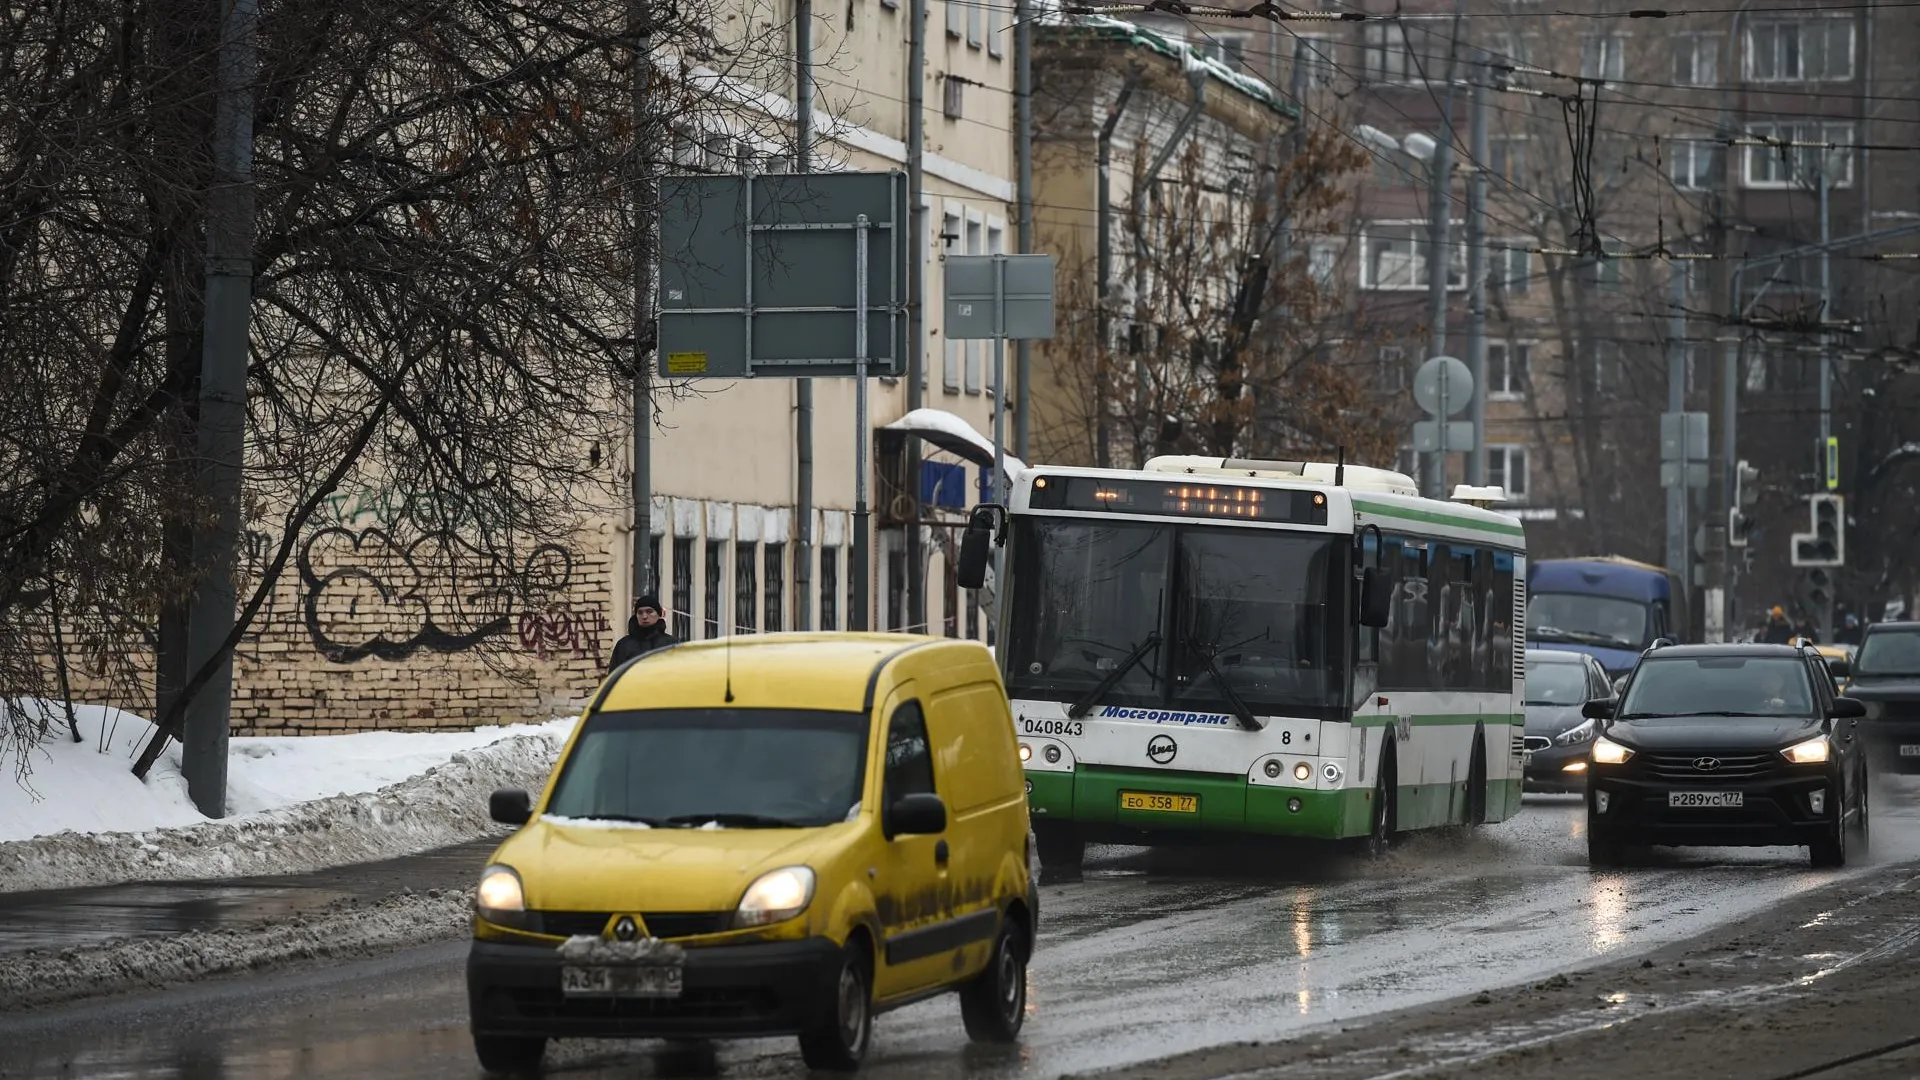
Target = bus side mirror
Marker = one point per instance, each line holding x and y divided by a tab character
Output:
975	545
1376	597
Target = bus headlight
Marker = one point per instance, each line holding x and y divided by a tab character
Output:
1331	772
1302	772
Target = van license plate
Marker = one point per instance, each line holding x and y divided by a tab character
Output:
1167	804
639	981
1711	799
1909	750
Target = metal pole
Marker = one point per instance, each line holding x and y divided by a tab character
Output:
223	406
998	489
803	388
857	618
646	262
1439	258
916	296
1477	278
1730	451
1023	192
1679	561
1826	365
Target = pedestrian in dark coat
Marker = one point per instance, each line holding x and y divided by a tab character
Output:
646	631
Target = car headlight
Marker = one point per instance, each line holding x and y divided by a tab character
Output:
501	898
1812	752
1574	736
775	896
1608	752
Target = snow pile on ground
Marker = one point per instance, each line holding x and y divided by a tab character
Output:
81	818
344	929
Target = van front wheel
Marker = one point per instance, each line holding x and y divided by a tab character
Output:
839	1042
511	1055
994	1004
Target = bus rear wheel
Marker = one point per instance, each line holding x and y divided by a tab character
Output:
1477	781
1061	850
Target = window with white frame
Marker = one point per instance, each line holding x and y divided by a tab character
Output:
1510	266
1386	55
996	29
1796	152
1323	260
1603	56
956	17
1507	157
1800	50
1694	164
1603	273
950	363
1315	53
1696	59
1608	371
1394	256
1507	469
1393	368
975	351
976	23
953	96
1509	369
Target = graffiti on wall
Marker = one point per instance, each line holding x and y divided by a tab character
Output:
387	508
365	592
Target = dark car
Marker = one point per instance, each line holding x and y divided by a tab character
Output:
1560	682
1727	745
1886	676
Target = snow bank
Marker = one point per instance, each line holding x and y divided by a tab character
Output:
81	818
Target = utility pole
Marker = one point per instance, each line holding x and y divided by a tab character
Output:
803	388
1679	554
645	184
223	407
1477	276
1439	245
916	320
1826	360
1023	192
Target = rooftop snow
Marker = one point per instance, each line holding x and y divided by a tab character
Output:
954	435
1188	57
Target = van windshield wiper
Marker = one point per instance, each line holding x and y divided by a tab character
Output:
1589	637
1100	689
744	821
1240	710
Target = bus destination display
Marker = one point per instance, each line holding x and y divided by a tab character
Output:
1179	498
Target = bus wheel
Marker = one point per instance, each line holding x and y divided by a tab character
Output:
1477	781
1061	850
1379	838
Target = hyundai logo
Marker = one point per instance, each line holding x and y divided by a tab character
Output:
625	929
1706	764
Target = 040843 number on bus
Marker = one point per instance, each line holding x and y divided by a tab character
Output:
1069	728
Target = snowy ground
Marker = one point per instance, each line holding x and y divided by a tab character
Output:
80	817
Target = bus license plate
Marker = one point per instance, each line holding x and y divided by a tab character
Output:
1166	804
1710	799
639	981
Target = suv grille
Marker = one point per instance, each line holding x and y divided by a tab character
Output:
1732	767
661	924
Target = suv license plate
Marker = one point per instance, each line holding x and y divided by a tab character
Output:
639	981
1713	799
1909	750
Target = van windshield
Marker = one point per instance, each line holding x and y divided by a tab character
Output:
715	768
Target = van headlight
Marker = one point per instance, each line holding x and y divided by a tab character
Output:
1812	752
500	898
775	896
1574	736
1608	752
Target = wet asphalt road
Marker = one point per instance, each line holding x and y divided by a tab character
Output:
1153	954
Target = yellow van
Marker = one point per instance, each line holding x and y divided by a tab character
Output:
774	835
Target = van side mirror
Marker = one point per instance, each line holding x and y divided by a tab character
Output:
923	814
1598	709
1846	708
1376	597
510	806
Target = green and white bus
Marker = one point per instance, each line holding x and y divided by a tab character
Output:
1207	647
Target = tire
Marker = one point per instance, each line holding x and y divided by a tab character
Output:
1830	852
1062	849
1379	839
509	1055
994	1005
1604	852
1862	838
839	1042
1477	782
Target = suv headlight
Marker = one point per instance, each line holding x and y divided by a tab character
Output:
1608	752
500	898
1812	752
1574	736
775	896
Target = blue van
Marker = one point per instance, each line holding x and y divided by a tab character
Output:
1609	607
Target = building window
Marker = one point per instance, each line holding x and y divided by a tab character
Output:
975	351
1323	260
1602	273
1507	158
1796	155
1800	50
1314	53
953	96
956	17
653	566
746	591
1699	368
1229	49
1393	256
682	599
1509	369
950	361
1694	164
1388	57
1506	49
829	587
996	25
1510	268
950	590
1507	469
1603	56
976	23
1696	59
773	605
1696	275
716	562
1607	367
1393	369
897	589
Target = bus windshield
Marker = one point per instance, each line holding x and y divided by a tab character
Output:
1588	620
1215	613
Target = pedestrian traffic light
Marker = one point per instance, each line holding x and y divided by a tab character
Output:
1826	545
1746	492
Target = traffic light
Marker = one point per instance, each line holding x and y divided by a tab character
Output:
1746	492
1819	588
1826	545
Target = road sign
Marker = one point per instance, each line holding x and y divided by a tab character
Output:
1683	436
1691	474
1026	305
1427	434
1443	382
759	275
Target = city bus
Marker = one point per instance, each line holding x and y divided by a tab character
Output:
1207	647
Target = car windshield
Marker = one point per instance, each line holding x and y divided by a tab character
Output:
1719	686
1212	612
1556	682
717	768
1588	620
1889	652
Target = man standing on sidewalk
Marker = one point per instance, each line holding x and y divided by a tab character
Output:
645	631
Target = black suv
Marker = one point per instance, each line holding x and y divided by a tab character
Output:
1886	675
1725	745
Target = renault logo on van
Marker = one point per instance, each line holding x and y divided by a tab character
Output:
625	929
1161	749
